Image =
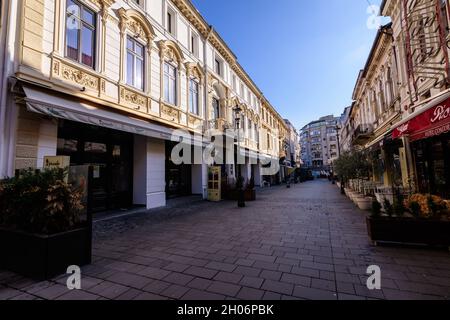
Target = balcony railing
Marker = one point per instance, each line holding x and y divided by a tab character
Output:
362	133
218	124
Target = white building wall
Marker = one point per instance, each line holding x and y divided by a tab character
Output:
48	140
112	54
156	176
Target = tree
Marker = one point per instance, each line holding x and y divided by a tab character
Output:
352	165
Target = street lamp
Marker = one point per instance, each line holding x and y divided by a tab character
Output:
339	154
240	182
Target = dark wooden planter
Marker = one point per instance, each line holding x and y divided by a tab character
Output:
43	257
250	195
409	230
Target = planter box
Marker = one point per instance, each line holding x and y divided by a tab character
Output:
43	257
409	230
250	195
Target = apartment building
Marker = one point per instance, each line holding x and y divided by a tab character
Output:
109	82
319	144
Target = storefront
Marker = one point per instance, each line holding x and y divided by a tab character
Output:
178	177
109	152
427	133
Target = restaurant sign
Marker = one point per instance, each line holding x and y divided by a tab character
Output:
433	122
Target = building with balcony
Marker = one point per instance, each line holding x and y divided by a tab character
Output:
399	116
109	82
319	144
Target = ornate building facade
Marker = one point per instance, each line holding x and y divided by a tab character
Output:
401	109
107	82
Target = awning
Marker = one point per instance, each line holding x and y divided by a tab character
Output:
56	106
431	120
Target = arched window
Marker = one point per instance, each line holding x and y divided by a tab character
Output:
194	84
136	38
171	64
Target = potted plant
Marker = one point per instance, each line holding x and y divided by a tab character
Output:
250	191
42	231
424	222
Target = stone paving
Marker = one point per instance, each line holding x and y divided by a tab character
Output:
307	242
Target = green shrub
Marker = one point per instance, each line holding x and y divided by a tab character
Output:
39	202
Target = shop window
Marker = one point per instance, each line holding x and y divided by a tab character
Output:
80	33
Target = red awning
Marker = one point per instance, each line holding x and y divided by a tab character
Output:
432	122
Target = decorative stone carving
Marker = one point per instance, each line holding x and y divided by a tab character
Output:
194	70
170	112
56	67
133	98
80	77
171	51
136	23
136	29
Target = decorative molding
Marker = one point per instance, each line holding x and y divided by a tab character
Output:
170	112
194	70
136	23
133	98
171	51
78	76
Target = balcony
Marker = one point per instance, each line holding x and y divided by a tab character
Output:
219	125
362	134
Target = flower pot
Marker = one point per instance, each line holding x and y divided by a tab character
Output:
364	203
42	257
409	230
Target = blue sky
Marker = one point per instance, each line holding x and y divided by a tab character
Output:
303	55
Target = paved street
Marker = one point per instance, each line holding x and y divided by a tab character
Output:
307	242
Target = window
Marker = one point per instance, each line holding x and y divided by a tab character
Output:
170	21
218	67
234	82
193	97
242	90
135	63
80	33
216	108
139	2
170	83
194	45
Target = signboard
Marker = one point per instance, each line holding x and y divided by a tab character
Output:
433	122
56	162
214	184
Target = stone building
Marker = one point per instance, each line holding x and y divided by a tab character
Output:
107	82
319	144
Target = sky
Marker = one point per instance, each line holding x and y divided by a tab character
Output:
303	55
